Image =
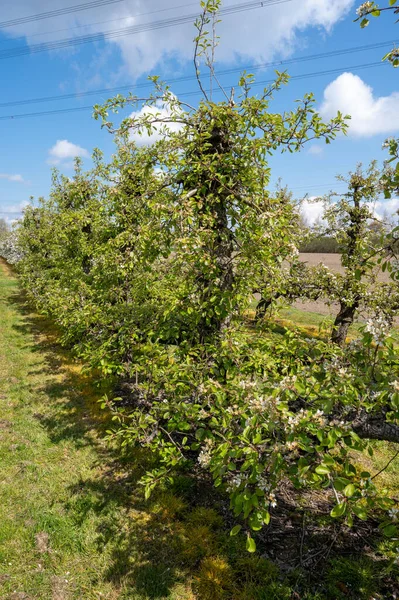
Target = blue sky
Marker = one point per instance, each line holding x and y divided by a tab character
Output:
290	30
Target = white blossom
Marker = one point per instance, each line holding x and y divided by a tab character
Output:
272	500
379	328
387	143
9	249
263	484
395	385
246	384
204	457
288	381
235	482
261	403
394	513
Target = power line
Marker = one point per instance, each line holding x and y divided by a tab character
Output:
135	16
56	13
135	29
195	93
317	185
192	77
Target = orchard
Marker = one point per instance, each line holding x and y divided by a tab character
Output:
149	264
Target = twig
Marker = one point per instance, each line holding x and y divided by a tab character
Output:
302	540
195	59
386	466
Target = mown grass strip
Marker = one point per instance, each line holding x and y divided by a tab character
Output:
72	523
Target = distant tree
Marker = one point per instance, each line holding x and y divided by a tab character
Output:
362	240
320	244
4	229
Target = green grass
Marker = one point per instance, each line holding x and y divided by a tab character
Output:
316	324
310	321
73	521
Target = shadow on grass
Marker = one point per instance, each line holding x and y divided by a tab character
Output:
137	537
153	548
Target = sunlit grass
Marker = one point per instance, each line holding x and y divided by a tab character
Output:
73	521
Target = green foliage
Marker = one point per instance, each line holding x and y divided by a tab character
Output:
363	242
347	579
320	244
149	264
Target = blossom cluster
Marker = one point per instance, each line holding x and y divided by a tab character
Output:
366	8
204	457
9	249
317	417
235	481
262	404
387	144
379	328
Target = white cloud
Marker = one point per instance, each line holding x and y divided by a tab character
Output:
316	150
312	210
11	212
370	114
65	151
256	35
385	208
162	111
12	177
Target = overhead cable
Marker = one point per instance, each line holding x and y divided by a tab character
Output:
197	92
220	73
134	29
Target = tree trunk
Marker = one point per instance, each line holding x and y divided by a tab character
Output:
375	427
343	321
262	307
215	198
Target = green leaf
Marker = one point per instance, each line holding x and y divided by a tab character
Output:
322	470
360	513
390	530
255	522
235	530
349	521
364	23
349	490
395	400
251	545
392	2
338	510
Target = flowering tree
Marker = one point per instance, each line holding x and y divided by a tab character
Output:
9	247
4	229
347	220
149	265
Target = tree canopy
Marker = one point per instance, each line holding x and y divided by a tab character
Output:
149	264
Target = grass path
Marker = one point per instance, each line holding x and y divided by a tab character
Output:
71	523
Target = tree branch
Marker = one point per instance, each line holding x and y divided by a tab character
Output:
375	427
